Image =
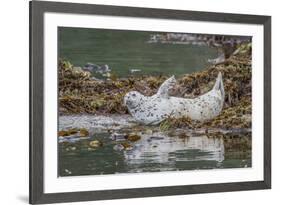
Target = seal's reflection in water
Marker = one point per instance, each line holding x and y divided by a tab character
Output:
153	151
163	149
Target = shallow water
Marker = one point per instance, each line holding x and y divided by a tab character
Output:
155	151
126	50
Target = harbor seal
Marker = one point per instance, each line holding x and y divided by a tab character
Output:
151	110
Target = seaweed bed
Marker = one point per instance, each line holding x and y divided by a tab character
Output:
80	93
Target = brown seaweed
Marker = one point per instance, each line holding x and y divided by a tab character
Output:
80	93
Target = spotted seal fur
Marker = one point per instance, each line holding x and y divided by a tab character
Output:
154	109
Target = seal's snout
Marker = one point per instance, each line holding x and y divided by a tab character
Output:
128	99
131	99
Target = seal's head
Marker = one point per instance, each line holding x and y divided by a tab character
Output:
133	99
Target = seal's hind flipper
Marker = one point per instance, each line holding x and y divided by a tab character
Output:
219	84
163	91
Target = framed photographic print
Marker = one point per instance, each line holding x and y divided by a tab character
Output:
137	102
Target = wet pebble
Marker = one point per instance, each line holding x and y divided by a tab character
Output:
62	133
95	144
127	146
133	137
83	132
118	136
123	146
73	133
118	147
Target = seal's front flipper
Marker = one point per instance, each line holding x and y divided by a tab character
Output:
163	91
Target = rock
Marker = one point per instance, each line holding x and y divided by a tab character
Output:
95	144
127	146
118	147
93	68
133	137
72	131
118	137
84	132
122	137
63	133
90	67
123	146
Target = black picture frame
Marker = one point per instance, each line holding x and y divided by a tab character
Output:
37	10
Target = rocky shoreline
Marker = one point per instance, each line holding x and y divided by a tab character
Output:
80	93
97	131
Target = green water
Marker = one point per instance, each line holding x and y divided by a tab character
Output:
167	154
155	151
125	50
